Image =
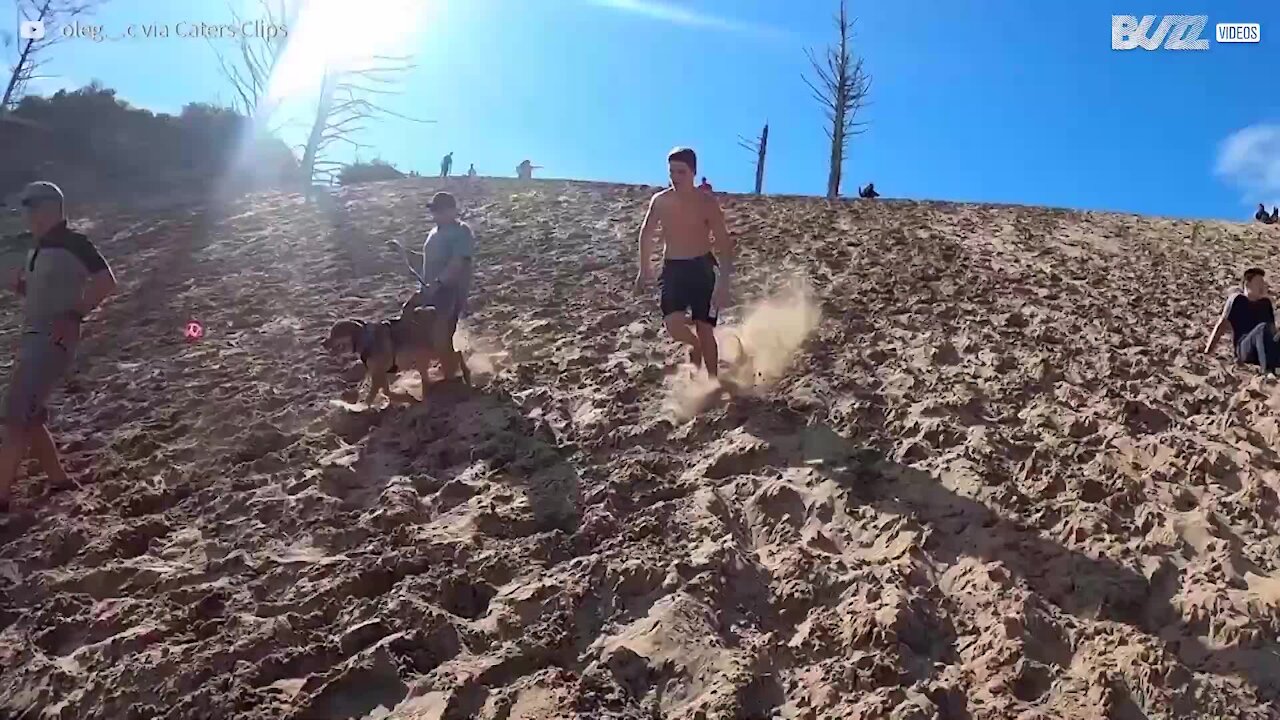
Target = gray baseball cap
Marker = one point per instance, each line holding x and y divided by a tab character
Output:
40	190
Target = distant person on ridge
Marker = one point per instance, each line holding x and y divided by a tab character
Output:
524	170
62	281
705	186
446	164
868	192
1275	215
1253	324
1262	216
696	272
471	171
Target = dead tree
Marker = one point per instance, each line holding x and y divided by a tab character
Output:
344	108
254	60
841	85
758	147
32	53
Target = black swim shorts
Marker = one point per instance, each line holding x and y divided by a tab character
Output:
688	285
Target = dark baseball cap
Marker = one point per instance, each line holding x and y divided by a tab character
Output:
443	201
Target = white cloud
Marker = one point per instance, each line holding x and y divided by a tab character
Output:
684	16
1250	160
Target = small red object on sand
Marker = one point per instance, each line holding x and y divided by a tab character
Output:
193	331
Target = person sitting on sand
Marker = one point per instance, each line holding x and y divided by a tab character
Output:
696	272
868	192
705	186
1253	324
1262	216
63	280
447	270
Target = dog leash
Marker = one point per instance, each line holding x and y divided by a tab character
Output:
405	254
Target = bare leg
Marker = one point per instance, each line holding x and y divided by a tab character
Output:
401	397
444	348
422	363
679	330
462	366
46	453
710	352
376	383
449	361
12	451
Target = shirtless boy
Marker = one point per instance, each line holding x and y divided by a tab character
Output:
696	272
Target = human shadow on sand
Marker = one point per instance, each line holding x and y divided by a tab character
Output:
422	461
1087	587
365	255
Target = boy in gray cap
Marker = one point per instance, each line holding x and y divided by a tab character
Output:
63	280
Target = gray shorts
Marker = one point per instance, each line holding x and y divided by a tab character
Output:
449	304
41	366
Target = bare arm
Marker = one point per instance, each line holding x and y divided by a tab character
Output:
1218	331
14	278
1221	327
723	245
648	232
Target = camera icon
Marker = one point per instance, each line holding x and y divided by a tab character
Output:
31	30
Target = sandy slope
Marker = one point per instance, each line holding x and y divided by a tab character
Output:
999	480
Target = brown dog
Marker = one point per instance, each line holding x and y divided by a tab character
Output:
401	343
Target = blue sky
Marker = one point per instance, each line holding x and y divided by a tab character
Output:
998	100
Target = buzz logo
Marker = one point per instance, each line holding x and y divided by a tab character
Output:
1176	32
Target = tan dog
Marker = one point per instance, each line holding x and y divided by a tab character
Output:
391	346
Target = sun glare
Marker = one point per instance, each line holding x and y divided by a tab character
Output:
345	34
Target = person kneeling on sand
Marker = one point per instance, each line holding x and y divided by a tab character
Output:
447	270
1253	324
696	272
63	280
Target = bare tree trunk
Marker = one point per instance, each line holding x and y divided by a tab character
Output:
841	85
837	158
840	90
22	70
323	108
12	87
764	148
345	106
757	147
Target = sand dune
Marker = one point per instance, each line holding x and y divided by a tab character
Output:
971	464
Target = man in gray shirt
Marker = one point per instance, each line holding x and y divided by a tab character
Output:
447	270
63	280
